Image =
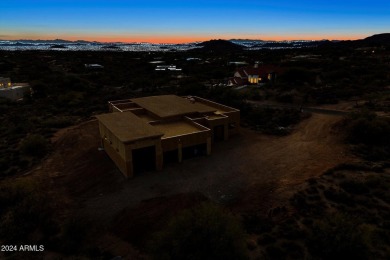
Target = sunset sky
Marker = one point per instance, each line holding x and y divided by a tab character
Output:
186	21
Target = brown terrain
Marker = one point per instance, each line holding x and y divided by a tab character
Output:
250	172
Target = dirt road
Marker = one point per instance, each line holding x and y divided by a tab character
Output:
249	172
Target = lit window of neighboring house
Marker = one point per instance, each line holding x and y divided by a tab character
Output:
254	79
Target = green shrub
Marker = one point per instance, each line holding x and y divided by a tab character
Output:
204	232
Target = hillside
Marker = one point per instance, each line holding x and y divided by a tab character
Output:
383	38
219	46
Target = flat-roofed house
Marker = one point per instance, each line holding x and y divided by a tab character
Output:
152	130
13	91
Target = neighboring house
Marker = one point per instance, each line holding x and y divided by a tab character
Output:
256	75
237	81
94	66
151	131
15	91
5	82
167	67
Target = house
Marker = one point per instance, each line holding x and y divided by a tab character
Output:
5	82
13	91
94	66
145	133
167	67
255	75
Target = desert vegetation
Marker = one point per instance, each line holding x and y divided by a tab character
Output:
341	213
369	135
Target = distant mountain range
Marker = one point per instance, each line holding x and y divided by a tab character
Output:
212	45
238	44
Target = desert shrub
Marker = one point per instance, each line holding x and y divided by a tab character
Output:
71	99
189	87
297	76
354	187
339	197
274	120
4	163
203	232
300	201
26	212
251	245
254	95
290	230
75	236
275	251
367	128
34	145
256	224
372	152
58	122
266	239
338	237
294	250
287	97
374	182
351	167
39	90
370	134
229	97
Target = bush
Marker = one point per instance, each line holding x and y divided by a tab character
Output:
274	120
339	197
255	224
338	237
26	215
297	76
354	187
367	128
34	146
204	232
58	122
75	235
370	134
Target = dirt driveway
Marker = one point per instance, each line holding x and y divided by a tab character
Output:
248	172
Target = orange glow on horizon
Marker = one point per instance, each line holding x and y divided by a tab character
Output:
185	39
